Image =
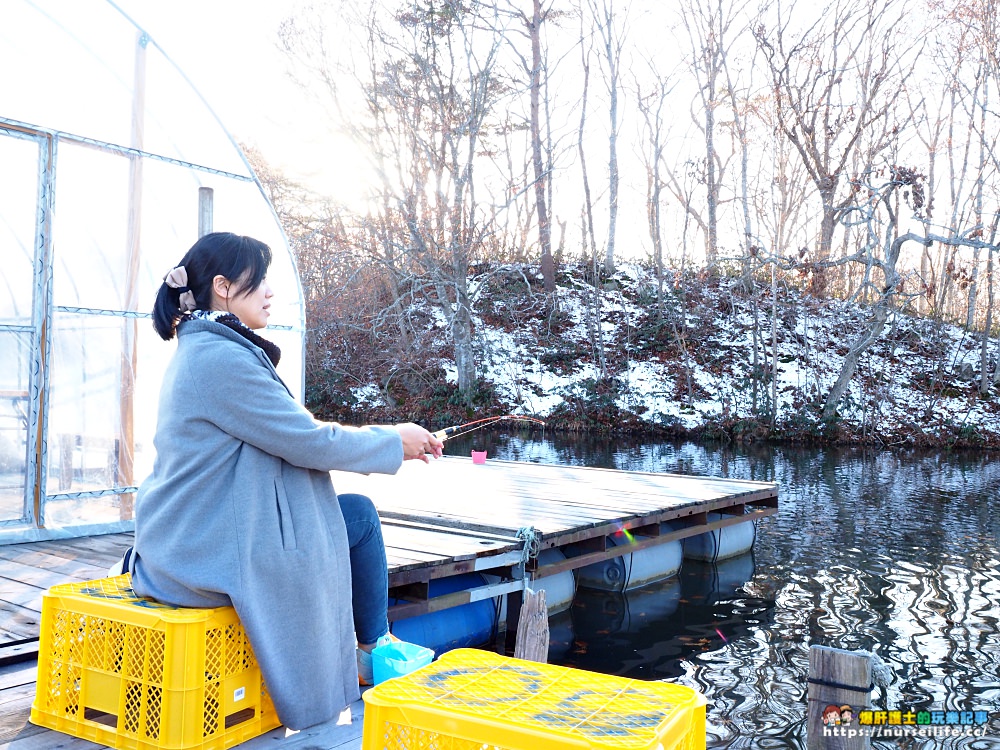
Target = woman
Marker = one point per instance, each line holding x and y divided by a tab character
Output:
240	508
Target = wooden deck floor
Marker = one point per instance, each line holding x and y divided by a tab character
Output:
17	690
439	520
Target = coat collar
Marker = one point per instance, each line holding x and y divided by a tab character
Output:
198	325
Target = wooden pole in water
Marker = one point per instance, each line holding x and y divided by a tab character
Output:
840	685
533	628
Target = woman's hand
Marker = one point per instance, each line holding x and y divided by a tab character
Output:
418	442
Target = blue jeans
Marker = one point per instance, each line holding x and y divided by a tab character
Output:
369	568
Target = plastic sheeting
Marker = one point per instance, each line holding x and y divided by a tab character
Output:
104	146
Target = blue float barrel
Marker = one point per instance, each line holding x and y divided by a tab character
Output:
467	625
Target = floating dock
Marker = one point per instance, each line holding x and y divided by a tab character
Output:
440	520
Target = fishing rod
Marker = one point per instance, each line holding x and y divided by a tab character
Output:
478	424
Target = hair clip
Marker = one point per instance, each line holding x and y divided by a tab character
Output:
177	278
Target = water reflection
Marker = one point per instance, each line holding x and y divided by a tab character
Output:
890	552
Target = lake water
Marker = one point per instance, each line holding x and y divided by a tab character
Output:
894	553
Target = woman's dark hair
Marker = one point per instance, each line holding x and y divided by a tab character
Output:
242	260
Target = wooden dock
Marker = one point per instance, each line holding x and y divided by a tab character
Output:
439	520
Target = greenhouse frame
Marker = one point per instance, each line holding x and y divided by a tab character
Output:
111	167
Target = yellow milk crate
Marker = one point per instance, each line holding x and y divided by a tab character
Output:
128	672
478	700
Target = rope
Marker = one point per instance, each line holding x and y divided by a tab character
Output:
881	672
840	685
529	551
532	543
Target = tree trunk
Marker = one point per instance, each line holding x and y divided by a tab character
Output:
613	180
881	309
970	303
827	226
711	179
544	227
984	368
774	344
850	365
465	360
612	56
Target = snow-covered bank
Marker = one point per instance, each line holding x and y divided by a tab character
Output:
688	364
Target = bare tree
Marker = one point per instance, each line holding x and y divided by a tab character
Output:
588	236
536	70
609	27
836	85
708	24
651	108
430	92
877	209
931	116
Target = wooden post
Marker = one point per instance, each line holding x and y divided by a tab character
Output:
533	628
130	326
206	197
838	679
514	602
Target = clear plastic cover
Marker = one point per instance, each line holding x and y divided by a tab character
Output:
104	146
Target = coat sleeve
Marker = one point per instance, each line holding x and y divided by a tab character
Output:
241	396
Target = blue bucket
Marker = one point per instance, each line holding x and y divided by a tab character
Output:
398	658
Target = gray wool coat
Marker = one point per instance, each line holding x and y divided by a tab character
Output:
240	509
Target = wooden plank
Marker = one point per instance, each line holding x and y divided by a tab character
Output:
23	593
545	519
40	557
15	675
402	576
39	577
15	707
327	736
513	479
18	651
18	622
24	735
449	544
98	551
446	548
417	524
17	733
625	496
403	559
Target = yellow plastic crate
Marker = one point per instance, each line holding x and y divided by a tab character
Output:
478	700
128	672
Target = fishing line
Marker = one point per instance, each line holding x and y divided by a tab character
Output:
478	424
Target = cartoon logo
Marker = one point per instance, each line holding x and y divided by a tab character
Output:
835	716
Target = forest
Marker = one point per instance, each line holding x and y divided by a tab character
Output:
775	157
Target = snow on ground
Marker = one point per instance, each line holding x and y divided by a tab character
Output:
694	365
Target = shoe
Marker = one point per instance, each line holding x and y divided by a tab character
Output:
366	677
122	566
